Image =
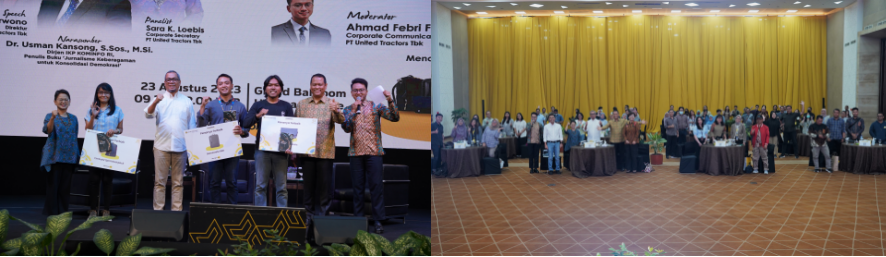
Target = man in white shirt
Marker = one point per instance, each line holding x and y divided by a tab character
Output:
299	30
593	126
553	135
825	116
175	114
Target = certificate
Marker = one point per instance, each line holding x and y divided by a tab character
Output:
117	153
212	143
279	133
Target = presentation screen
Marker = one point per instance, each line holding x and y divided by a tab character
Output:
131	44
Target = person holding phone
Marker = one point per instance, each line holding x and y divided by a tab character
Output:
60	153
104	116
224	109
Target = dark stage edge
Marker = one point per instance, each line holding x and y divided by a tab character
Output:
30	209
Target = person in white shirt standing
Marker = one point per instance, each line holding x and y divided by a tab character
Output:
175	114
593	127
553	135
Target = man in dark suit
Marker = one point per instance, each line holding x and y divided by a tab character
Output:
299	30
115	14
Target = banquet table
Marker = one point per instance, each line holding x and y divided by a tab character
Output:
863	159
463	162
721	160
597	161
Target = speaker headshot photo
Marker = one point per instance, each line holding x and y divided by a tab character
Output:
91	14
298	30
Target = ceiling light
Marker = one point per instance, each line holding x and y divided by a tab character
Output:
520	12
457	7
481	12
665	2
731	5
675	11
838	2
624	6
715	10
691	4
754	4
514	4
808	5
563	6
792	11
753	11
797	2
535	5
608	3
558	12
598	11
637	11
466	4
491	6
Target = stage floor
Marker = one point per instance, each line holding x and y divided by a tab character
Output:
30	208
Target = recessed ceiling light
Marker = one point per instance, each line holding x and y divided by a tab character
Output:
715	10
691	4
754	4
466	4
808	5
457	7
637	11
792	11
481	12
753	11
514	4
624	6
491	6
563	6
731	5
536	5
838	2
797	2
558	12
598	11
608	3
675	11
666	2
520	12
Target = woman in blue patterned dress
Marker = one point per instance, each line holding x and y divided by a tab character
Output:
60	153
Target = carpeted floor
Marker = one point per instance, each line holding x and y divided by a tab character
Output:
791	212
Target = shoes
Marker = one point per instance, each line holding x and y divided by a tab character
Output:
796	156
550	172
830	171
817	170
766	172
533	171
106	213
378	228
755	172
557	172
92	213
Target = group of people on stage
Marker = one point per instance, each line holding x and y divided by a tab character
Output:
778	128
174	113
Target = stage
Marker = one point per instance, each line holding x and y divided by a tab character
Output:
30	208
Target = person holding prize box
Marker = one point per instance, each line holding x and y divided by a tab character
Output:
225	109
269	162
363	121
104	116
317	166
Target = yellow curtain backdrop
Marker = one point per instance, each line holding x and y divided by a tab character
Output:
648	62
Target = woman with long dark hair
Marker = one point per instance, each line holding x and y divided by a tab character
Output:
774	128
475	130
718	130
103	116
60	153
520	133
507	125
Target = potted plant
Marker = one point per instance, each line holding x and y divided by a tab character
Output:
655	141
459	113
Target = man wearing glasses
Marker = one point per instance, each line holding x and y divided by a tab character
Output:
363	121
174	114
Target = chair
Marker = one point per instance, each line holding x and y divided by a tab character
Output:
124	191
245	175
396	191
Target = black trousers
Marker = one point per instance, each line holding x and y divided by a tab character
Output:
438	157
681	141
58	188
781	144
106	178
368	170
565	158
621	154
520	143
631	160
316	173
834	145
533	155
790	139
671	147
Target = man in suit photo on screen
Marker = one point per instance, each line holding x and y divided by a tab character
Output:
112	14
299	30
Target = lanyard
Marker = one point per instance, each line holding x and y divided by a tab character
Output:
223	104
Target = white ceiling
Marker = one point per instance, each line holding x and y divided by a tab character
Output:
617	7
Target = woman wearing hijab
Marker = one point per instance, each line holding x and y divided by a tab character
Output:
460	131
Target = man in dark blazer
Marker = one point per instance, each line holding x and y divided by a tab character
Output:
115	14
299	30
